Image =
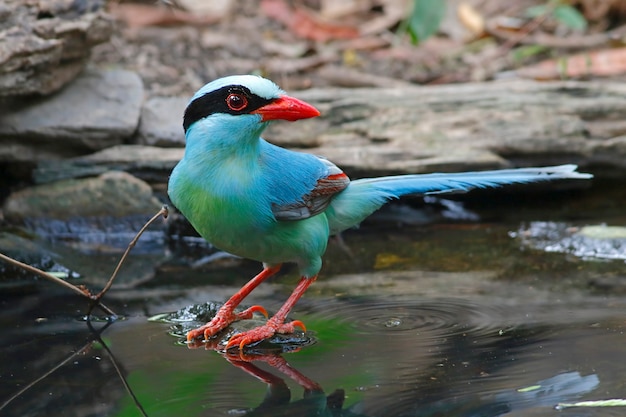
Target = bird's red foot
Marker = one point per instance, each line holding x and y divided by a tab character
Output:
222	319
263	332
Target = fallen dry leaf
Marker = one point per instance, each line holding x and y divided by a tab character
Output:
142	15
305	24
471	18
216	9
333	9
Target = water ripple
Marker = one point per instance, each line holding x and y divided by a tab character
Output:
437	318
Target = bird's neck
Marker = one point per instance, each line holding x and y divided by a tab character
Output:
218	145
223	158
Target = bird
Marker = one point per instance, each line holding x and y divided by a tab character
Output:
256	200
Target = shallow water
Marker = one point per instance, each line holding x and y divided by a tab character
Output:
441	317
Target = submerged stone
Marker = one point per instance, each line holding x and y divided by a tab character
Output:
196	315
588	242
30	252
603	232
116	194
93	215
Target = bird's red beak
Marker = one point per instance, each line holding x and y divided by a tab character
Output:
287	108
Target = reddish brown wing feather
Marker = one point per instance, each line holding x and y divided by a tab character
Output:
317	199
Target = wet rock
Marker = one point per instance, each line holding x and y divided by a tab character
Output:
149	163
29	252
196	315
115	194
45	44
602	231
588	242
98	110
95	216
162	122
609	284
83	254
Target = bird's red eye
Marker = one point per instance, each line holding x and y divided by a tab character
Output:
236	102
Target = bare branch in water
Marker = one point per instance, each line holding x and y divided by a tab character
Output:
96	298
81	290
130	391
96	337
78	290
45	375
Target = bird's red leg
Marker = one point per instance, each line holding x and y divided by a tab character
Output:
283	366
277	323
226	314
280	364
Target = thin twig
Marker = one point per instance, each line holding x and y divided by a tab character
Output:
95	299
51	371
586	41
95	338
531	27
163	212
117	369
77	290
44	376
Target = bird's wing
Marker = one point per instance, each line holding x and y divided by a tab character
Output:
298	185
318	198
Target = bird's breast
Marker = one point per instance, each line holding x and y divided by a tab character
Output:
226	210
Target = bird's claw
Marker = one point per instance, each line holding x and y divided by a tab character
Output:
262	332
247	313
223	319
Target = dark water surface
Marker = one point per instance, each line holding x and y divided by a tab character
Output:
495	309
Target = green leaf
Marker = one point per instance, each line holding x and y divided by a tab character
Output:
59	274
615	402
529	389
536	11
425	19
570	17
527	51
562	67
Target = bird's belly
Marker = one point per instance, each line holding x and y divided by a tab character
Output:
246	228
271	243
233	227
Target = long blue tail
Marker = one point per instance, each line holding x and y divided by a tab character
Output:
364	196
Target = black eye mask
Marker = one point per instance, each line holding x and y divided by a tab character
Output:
216	102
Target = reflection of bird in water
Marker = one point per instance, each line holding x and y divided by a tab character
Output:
259	201
277	402
440	391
